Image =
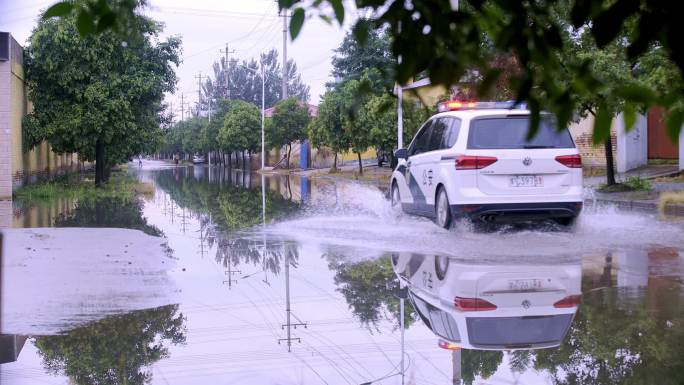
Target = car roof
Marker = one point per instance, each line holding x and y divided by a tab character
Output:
475	113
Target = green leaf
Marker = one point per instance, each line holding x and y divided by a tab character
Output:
675	119
637	93
602	125
629	115
59	9
338	7
106	21
360	31
84	23
296	22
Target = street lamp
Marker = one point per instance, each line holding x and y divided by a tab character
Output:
263	109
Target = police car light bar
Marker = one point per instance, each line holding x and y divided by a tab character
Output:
456	105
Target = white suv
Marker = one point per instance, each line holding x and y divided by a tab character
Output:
477	163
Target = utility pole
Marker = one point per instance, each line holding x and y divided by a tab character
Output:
225	70
284	54
182	107
288	310
199	92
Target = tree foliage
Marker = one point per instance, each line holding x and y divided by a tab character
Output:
115	350
97	89
288	124
379	115
235	80
445	43
241	128
352	59
370	288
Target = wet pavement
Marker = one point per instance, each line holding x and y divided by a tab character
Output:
311	288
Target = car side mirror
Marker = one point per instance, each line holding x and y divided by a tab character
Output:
401	153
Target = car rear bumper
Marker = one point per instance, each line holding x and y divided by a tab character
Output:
516	212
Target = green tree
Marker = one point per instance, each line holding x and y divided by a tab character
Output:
449	42
288	124
380	116
98	95
114	350
445	39
241	128
352	59
327	130
611	66
232	81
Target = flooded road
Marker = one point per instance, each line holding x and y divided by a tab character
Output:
314	288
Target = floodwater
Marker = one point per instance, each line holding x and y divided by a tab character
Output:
311	288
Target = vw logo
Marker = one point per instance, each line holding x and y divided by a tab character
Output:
526	304
527	161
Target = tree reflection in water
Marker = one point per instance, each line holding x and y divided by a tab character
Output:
227	207
115	350
370	288
622	336
108	212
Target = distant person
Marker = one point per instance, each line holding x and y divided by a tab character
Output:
175	159
140	161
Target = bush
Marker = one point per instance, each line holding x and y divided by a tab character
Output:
637	183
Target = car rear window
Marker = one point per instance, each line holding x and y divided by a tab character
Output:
517	331
510	132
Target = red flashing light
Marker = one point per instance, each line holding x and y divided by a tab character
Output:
571	161
448	345
569	301
453	105
466	162
473	304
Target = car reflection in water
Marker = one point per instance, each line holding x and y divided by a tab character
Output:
491	306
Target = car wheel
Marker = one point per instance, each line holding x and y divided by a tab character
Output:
396	198
441	266
442	209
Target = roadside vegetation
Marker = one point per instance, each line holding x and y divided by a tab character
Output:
81	187
679	178
632	183
670	198
100	96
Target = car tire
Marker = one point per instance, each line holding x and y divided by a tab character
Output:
442	209
395	198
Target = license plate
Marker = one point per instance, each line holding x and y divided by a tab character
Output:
526	181
525	284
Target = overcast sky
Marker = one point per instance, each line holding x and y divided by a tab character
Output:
249	26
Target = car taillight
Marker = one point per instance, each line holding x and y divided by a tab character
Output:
473	304
569	301
572	161
467	162
448	345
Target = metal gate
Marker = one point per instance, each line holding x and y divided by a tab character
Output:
660	146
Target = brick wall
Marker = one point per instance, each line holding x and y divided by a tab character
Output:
5	131
591	155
